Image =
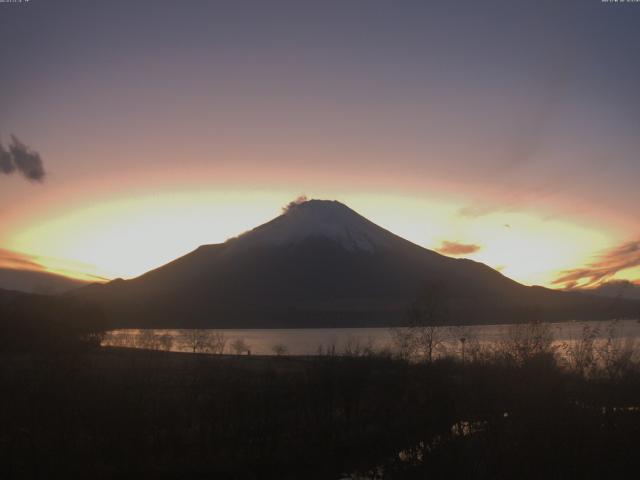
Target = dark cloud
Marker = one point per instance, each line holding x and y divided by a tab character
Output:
609	263
6	162
455	248
26	160
16	261
22	159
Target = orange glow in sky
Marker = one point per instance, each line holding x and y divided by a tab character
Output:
514	144
129	236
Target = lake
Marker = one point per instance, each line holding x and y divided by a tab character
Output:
311	341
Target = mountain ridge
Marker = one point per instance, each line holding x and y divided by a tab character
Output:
614	289
322	264
36	281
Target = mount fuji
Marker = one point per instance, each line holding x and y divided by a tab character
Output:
320	264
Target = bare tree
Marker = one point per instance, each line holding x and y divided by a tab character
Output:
216	343
356	348
329	351
525	341
113	339
423	334
199	340
580	354
616	355
279	349
120	339
196	340
166	341
239	346
148	339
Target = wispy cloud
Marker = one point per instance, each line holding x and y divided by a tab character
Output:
512	201
20	158
608	264
475	211
455	248
19	261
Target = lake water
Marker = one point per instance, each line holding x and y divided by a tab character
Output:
311	341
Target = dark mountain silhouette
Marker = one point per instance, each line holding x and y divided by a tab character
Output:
321	264
35	322
31	281
8	295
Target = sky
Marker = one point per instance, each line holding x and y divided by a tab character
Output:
502	131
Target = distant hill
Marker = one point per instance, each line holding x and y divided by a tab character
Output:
32	281
320	264
34	322
7	296
616	289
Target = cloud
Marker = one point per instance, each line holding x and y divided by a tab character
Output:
22	159
513	202
294	203
12	260
609	263
6	162
455	248
18	261
475	211
26	160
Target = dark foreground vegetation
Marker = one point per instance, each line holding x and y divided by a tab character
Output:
122	413
523	408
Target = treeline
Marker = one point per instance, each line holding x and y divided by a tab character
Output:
190	340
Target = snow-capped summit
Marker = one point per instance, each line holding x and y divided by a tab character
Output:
328	219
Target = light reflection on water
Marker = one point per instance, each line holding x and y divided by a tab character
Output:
311	341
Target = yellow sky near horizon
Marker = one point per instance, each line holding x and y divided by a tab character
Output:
129	235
